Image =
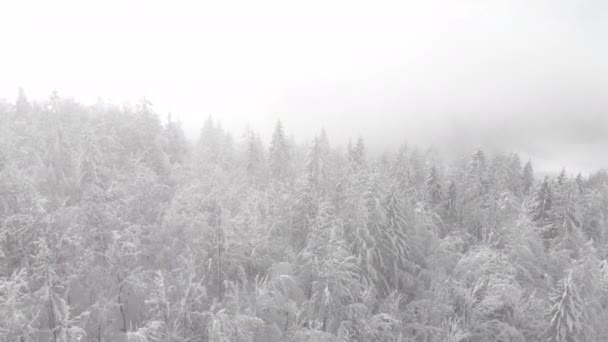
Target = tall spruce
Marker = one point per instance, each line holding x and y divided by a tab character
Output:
433	187
278	154
528	178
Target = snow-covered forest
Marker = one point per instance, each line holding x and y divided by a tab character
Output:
115	227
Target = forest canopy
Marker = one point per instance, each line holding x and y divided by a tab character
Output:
115	227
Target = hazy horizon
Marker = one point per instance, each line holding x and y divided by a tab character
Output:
508	75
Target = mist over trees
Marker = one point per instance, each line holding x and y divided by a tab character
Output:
115	227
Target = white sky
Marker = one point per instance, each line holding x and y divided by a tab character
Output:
530	75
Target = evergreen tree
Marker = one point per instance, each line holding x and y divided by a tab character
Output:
500	175
278	154
595	214
356	155
324	141
317	164
176	143
528	178
542	204
254	158
562	178
451	202
516	175
22	105
577	301
401	170
433	187
566	314
417	172
475	196
565	209
333	271
396	251
209	147
477	174
579	183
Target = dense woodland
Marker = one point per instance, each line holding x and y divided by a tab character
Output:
115	227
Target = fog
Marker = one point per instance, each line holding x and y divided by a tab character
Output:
118	225
523	76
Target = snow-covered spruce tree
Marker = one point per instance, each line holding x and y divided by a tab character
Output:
566	214
595	214
578	302
499	177
490	295
209	144
324	144
122	259
317	165
148	138
176	303
357	155
417	173
400	171
450	205
475	196
502	203
516	175
579	184
566	315
562	178
396	252
365	231
214	148
527	178
22	106
18	308
176	144
279	158
433	187
333	275
254	159
541	205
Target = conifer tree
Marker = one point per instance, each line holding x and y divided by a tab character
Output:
566	314
324	141
357	155
477	174
254	158
396	250
578	300
516	176
433	186
528	178
278	154
562	178
499	175
565	209
209	143
579	183
400	170
417	172
176	143
595	214
475	195
22	105
451	202
317	164
542	204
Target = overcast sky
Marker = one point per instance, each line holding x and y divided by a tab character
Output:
522	75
